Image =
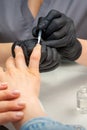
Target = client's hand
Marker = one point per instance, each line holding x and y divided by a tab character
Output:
19	76
26	80
10	109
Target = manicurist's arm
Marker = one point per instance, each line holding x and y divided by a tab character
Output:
83	57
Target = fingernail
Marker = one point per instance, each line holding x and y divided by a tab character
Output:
17	47
19	114
15	92
21	103
3	85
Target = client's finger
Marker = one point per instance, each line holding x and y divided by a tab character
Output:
10	64
19	58
10	116
35	58
3	86
11	106
8	95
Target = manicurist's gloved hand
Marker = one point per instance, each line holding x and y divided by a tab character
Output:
58	31
50	58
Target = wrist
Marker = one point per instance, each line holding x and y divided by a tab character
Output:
72	51
33	109
75	50
83	57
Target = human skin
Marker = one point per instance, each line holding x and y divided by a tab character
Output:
27	80
83	57
10	109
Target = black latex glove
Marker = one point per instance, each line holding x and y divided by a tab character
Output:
58	31
50	58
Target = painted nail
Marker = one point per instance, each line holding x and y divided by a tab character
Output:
17	47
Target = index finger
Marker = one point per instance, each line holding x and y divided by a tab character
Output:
35	59
19	58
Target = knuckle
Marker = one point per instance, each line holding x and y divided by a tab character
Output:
19	56
6	94
7	117
11	117
35	58
1	70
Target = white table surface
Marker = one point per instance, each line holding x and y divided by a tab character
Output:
58	93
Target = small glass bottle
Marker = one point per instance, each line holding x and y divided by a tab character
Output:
82	100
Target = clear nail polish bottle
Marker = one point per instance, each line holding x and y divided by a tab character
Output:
82	100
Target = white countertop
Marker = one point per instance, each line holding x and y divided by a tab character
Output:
58	93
